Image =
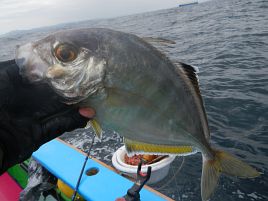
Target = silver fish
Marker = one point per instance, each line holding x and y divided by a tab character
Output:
136	90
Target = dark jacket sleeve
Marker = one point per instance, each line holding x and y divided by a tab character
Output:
30	115
9	78
20	137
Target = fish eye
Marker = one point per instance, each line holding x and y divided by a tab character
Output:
65	52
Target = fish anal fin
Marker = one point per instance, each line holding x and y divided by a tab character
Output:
133	146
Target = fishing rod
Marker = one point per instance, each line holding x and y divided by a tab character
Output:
90	123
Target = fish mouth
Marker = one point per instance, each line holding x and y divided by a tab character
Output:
31	67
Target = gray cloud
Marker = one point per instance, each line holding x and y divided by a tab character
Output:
26	14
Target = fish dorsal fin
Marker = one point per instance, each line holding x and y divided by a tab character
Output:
133	147
161	41
191	74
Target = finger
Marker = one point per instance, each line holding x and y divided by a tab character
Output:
87	112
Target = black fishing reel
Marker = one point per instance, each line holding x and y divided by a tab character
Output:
133	194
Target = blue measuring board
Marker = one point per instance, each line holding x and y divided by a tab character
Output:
65	162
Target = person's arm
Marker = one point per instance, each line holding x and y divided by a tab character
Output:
30	115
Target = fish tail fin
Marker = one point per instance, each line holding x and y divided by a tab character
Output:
222	163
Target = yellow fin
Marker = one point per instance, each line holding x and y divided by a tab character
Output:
139	147
235	167
222	163
96	127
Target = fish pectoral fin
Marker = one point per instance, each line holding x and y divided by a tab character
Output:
222	163
133	146
158	40
96	127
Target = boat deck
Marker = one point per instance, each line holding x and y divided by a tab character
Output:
65	162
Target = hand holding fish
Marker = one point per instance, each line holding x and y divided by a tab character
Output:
30	116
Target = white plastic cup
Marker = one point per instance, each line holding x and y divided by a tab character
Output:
159	171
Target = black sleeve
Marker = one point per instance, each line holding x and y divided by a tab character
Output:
9	78
20	137
30	115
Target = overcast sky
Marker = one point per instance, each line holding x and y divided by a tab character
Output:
27	14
